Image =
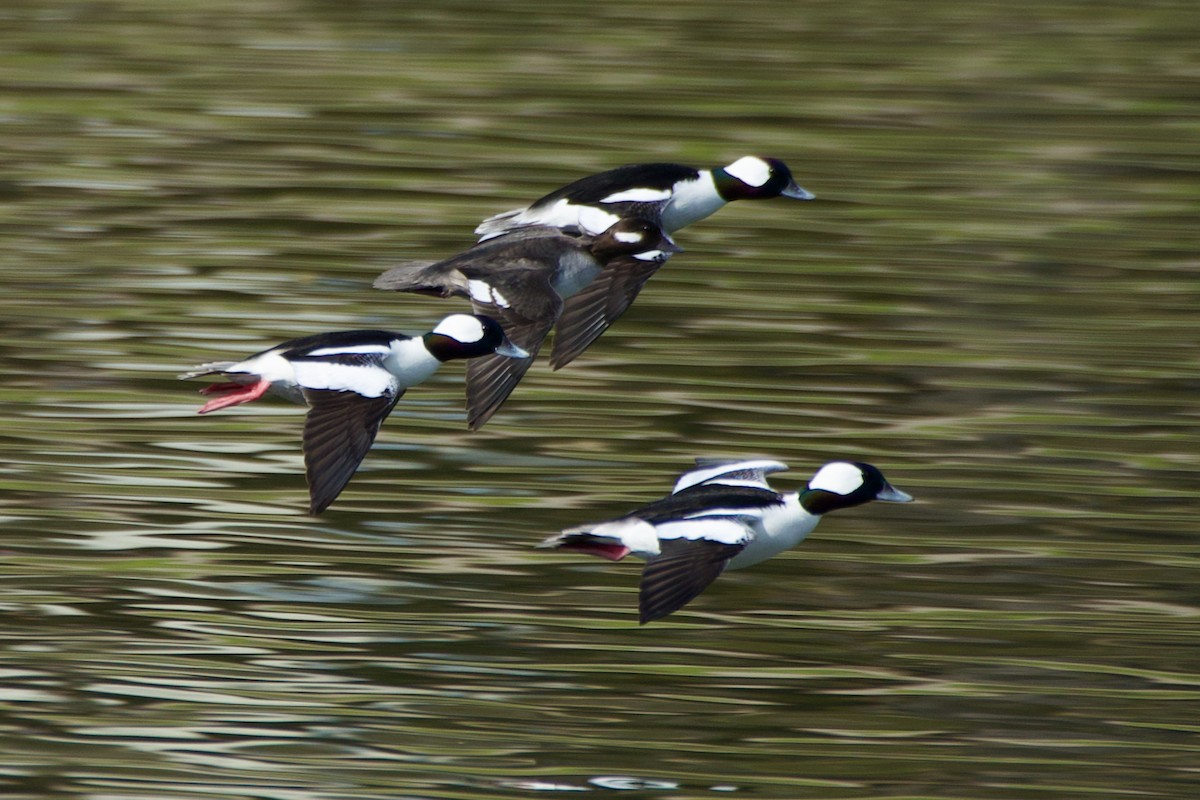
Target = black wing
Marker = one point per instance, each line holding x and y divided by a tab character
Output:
588	314
676	576
745	472
527	248
338	432
491	379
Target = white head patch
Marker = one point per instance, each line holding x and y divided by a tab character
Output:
460	327
629	237
485	293
838	477
750	170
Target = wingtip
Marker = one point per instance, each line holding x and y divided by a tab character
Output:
646	616
409	276
558	361
478	417
320	499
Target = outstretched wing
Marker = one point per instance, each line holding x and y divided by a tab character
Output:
686	566
491	379
588	314
752	473
338	432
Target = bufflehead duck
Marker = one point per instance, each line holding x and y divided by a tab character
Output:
350	380
671	195
521	279
721	515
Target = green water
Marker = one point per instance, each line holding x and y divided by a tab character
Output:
994	299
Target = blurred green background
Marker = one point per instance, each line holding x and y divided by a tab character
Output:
993	299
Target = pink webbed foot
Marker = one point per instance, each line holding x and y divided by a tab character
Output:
232	394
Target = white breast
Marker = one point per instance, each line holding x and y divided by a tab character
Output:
410	362
692	202
781	528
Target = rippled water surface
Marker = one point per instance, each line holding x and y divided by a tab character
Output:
994	299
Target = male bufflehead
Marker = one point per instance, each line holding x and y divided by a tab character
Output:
350	380
670	195
721	515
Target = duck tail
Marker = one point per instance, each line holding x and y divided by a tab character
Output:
412	276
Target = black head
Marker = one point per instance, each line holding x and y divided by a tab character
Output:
754	178
634	237
845	484
469	336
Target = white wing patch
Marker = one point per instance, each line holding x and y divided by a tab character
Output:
594	220
838	477
710	529
485	293
354	349
744	514
641	195
561	214
366	381
750	170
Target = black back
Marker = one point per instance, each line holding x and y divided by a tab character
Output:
596	187
706	496
296	349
